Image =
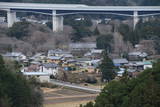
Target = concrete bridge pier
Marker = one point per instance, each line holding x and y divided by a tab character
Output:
11	17
57	22
135	19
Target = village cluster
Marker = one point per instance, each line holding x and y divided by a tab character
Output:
81	57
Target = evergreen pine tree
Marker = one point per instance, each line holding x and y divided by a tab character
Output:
2	64
107	68
96	31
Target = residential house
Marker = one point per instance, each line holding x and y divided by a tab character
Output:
120	73
107	20
49	68
57	52
147	64
139	65
96	21
79	49
82	46
18	56
120	62
40	57
33	67
94	54
84	61
2	19
54	59
41	76
88	55
96	51
96	62
69	63
137	56
68	56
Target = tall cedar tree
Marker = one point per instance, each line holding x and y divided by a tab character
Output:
96	31
107	68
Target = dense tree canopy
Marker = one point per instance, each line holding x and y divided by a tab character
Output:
49	24
16	91
81	28
107	68
18	30
96	31
143	91
80	32
148	30
128	34
104	42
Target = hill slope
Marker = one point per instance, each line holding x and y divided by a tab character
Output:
143	91
32	38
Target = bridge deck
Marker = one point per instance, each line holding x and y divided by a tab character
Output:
6	5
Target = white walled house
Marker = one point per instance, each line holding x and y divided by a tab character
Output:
2	19
147	64
84	62
49	68
120	73
15	56
41	76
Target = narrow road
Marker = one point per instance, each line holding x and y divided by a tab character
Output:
75	86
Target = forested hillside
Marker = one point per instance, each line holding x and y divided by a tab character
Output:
144	31
142	91
120	36
17	91
95	2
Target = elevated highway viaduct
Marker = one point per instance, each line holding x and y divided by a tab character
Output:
57	11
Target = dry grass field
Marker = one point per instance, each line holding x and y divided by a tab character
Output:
62	97
67	104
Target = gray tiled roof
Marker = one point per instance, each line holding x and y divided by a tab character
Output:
54	57
50	65
82	45
120	61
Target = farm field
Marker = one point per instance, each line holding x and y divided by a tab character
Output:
62	97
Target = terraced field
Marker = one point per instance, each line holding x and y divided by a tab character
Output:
62	97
